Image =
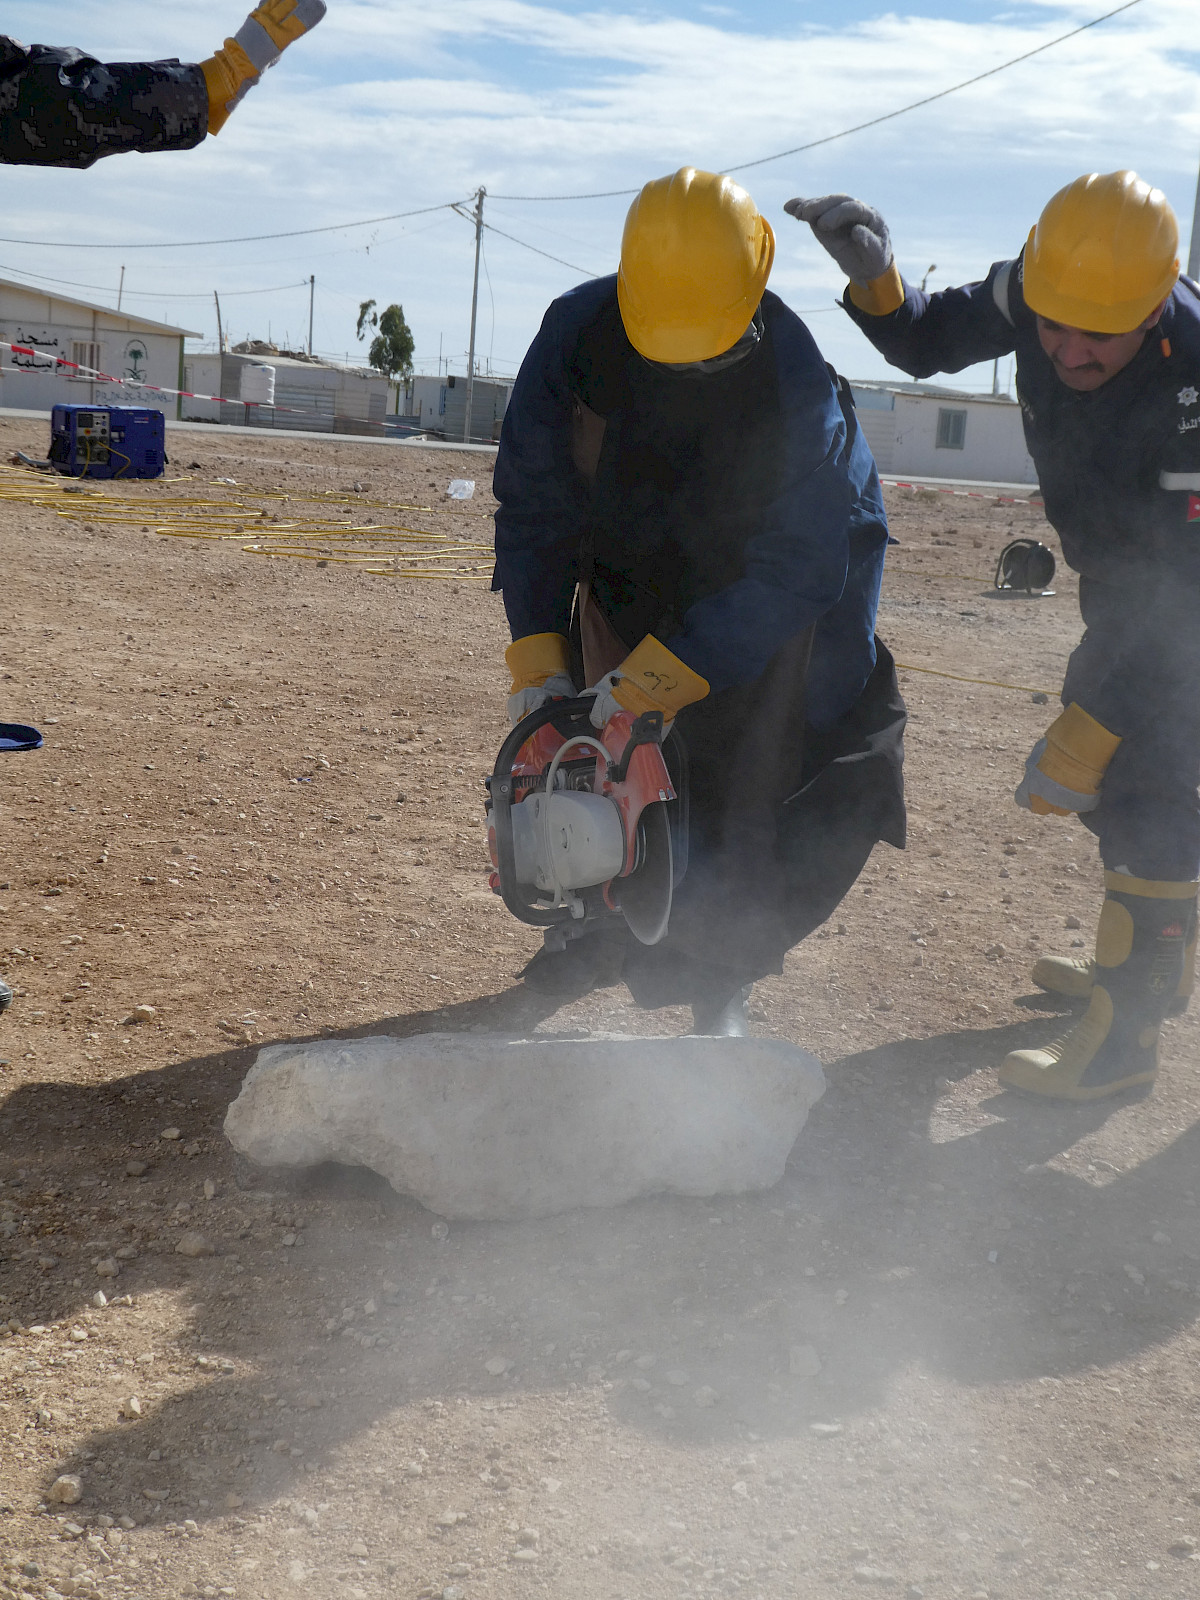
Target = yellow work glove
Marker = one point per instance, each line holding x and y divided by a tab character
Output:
649	679
539	664
1065	769
257	45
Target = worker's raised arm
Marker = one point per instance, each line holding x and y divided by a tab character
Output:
917	332
61	107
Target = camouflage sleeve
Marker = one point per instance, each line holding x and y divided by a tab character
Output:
62	108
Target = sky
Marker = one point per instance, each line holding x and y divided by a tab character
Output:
394	107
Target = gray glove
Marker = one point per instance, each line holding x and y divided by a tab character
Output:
853	232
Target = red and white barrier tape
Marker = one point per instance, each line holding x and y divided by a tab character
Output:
96	376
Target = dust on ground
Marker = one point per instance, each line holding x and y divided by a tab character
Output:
953	1353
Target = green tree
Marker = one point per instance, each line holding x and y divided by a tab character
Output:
391	349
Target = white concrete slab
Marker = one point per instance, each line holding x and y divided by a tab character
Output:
483	1127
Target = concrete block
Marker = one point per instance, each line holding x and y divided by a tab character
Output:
484	1127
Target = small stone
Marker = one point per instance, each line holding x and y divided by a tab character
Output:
704	1397
524	1555
156	1494
110	1267
876	1576
210	1189
1040	699
459	1569
192	1148
497	1365
440	1231
99	1299
1184	1547
139	1014
451	1519
131	1407
803	1361
1073	922
824	1430
234	1502
995	951
452	1592
127	1252
78	1335
66	1490
528	1537
135	1169
359	1550
193	1245
170	1134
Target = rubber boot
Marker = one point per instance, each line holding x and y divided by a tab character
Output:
723	1019
1140	946
1074	978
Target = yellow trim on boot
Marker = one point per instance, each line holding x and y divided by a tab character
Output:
1148	888
1056	1070
535	658
1064	975
882	295
1114	935
653	679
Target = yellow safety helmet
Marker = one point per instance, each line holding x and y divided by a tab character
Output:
695	259
1103	254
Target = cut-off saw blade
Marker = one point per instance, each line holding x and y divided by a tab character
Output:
644	897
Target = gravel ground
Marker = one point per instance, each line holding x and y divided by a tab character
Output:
953	1353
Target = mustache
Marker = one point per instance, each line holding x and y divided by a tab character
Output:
1087	366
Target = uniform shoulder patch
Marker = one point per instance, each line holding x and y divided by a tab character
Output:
1193	510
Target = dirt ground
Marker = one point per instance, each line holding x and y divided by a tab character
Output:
953	1353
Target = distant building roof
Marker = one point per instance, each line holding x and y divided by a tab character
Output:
144	323
932	391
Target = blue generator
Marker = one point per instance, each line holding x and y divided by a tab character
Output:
107	441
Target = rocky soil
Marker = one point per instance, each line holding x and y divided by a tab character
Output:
953	1353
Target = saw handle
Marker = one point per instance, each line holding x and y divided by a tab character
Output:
500	788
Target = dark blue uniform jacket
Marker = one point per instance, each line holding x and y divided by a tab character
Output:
728	513
62	108
1120	472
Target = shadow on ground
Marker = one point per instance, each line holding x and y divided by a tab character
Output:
897	1239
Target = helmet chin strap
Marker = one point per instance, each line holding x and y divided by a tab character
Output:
744	347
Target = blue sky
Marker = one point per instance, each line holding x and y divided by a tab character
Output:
392	106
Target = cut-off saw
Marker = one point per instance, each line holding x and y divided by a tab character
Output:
588	826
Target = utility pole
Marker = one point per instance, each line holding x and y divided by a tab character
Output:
1193	266
931	268
312	283
474	308
220	334
120	288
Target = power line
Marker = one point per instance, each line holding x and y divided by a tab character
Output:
888	116
151	294
859	127
247	238
512	238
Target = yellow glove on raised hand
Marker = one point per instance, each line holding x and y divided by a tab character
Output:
1065	769
539	664
649	679
257	45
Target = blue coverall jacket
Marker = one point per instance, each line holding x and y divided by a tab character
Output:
1119	470
726	513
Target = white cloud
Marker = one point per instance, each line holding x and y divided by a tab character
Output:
394	106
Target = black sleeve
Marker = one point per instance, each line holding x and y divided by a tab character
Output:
62	108
949	330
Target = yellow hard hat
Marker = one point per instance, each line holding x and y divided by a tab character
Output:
695	259
1103	254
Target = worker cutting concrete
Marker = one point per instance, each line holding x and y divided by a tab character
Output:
1107	341
64	108
690	523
